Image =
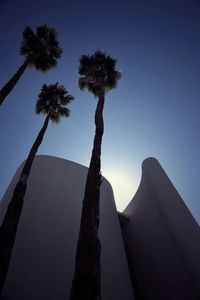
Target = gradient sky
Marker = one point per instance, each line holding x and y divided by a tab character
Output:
154	111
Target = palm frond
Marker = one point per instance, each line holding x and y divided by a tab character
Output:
82	83
101	68
42	48
53	99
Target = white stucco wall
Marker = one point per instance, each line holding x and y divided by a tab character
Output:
163	239
43	256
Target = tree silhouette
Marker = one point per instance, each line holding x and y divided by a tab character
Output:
52	102
98	75
41	50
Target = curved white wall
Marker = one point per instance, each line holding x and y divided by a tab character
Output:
163	239
43	256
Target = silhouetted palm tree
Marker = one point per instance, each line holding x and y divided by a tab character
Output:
52	101
41	50
98	75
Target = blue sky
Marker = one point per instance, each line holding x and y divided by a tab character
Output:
154	111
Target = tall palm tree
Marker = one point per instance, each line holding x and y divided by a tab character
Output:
52	102
98	75
41	50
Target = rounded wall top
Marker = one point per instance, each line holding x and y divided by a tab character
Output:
149	162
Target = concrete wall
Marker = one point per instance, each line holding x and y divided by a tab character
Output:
43	256
163	240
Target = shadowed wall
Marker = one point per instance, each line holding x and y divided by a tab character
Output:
163	239
42	263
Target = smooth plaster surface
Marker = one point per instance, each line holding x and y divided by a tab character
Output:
43	256
163	239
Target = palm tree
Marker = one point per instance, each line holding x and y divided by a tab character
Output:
41	50
52	102
98	75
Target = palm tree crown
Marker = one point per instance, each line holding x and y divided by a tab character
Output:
98	72
41	49
52	100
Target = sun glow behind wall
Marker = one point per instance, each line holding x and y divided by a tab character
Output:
124	184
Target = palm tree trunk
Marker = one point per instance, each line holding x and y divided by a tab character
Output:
7	88
86	284
10	222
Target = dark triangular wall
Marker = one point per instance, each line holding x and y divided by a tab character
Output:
163	239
